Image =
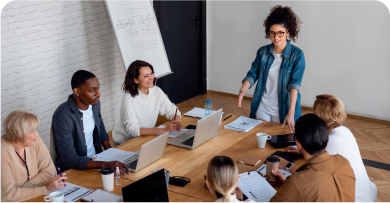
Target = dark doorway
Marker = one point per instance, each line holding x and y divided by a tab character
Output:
183	29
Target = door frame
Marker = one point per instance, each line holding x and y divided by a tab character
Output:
203	86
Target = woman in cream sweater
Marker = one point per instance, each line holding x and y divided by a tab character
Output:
25	160
141	104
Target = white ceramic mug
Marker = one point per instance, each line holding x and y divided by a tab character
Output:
55	197
262	139
108	178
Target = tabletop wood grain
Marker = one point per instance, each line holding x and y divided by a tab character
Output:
189	163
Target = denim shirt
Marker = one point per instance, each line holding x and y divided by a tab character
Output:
290	76
69	138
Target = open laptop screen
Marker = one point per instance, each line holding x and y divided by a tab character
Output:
152	188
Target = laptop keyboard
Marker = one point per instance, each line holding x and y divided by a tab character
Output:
189	142
133	164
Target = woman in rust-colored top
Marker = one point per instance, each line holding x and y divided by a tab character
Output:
323	177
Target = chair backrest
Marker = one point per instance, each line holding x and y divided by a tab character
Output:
52	151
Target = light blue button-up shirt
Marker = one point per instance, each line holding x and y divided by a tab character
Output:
290	76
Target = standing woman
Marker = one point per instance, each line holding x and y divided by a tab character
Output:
278	70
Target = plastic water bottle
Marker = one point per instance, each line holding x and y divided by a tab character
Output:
117	176
208	108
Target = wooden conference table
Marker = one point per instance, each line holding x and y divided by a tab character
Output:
189	163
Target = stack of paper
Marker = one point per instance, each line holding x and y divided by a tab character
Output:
196	113
102	196
199	113
175	133
255	187
113	154
243	124
74	192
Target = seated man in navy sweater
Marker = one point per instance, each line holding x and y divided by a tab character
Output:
78	129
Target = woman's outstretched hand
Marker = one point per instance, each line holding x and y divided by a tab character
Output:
245	86
240	96
289	120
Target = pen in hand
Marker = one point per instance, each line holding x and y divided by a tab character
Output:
174	119
59	171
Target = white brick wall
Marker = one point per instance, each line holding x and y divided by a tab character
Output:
43	43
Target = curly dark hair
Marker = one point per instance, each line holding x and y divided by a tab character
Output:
283	16
129	85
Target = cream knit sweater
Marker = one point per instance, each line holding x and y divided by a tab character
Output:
14	187
142	111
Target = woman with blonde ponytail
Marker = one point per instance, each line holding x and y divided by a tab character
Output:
222	180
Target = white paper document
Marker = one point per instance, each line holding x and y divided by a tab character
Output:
113	154
175	133
74	192
196	112
243	124
256	187
103	196
263	169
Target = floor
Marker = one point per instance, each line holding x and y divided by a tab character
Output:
373	138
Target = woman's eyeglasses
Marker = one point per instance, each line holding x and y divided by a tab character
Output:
280	34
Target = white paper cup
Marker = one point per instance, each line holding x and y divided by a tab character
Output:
262	139
108	178
55	197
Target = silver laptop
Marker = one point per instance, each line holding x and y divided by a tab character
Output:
206	129
149	153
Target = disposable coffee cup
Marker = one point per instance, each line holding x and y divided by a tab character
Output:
55	197
108	178
262	139
272	164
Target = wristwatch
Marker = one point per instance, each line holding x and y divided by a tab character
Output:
289	165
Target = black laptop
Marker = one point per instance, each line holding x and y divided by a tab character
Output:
152	188
285	140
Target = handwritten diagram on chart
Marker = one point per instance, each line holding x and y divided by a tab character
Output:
138	35
138	26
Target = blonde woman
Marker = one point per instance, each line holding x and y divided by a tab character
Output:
25	160
222	180
341	141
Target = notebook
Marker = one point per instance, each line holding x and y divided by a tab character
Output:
199	113
102	196
249	160
73	192
290	157
113	154
256	187
243	124
175	133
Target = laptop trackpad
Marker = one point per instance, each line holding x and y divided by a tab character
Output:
188	134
